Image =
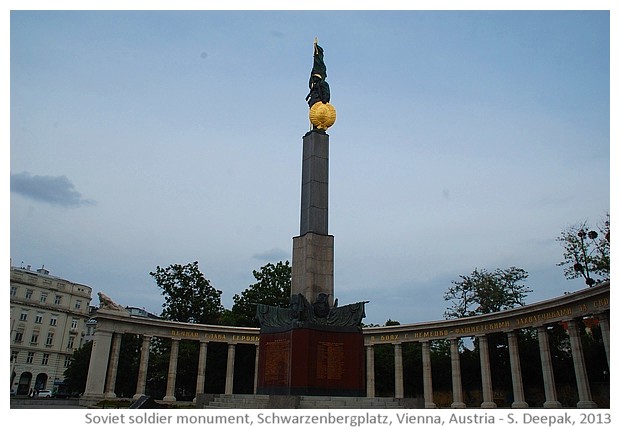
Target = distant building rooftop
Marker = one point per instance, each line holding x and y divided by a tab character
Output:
141	312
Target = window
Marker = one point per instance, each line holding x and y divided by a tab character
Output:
74	323
23	316
71	342
34	339
19	336
38	318
67	361
14	356
50	339
45	359
58	299
53	320
13	290
29	293
90	330
30	357
78	304
43	297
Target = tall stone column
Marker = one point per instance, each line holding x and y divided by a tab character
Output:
230	370
515	370
427	375
172	371
370	371
144	366
256	371
455	363
113	366
603	320
202	369
399	390
313	251
547	369
97	368
583	384
485	367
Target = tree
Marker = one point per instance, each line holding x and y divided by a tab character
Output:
77	371
484	292
127	369
189	296
273	287
586	252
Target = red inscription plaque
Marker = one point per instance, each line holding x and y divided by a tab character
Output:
330	361
311	361
277	366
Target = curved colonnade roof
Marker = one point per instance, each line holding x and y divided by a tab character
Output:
583	303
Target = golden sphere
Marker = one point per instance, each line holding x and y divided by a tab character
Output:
322	115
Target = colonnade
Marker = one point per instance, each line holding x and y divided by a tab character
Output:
111	325
518	392
110	383
567	309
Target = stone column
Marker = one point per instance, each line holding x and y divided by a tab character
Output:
230	370
399	390
485	368
457	386
515	370
113	366
172	371
312	272
603	320
427	375
583	385
547	369
202	369
144	366
370	371
98	365
256	370
314	183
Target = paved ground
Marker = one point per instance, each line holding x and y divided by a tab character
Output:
44	403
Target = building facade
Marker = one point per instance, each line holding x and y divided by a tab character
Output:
48	322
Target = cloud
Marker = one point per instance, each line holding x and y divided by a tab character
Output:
54	190
274	255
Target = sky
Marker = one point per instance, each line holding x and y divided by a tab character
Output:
464	140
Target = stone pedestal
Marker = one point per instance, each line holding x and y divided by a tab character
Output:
312	271
325	361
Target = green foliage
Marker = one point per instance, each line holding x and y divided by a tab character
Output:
127	375
159	357
77	371
384	370
586	252
189	296
484	292
272	287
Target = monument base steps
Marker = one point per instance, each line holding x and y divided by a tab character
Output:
307	402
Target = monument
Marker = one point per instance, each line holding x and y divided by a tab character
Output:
314	346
